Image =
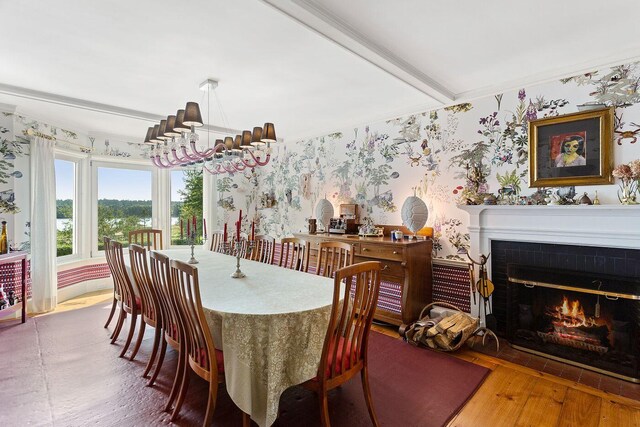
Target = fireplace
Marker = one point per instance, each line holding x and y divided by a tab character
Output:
589	320
598	241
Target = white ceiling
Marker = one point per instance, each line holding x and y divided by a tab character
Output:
311	67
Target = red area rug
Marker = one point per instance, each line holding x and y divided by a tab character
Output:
60	369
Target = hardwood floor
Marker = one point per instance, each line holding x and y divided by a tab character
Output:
515	395
512	395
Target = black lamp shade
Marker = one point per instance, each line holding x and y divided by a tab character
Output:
269	133
256	136
147	139
169	129
154	135
246	139
179	126
162	130
192	116
237	143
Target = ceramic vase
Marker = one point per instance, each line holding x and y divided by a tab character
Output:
414	213
324	212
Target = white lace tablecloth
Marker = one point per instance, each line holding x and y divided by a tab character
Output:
270	325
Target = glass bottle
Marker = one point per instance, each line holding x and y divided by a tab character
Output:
4	247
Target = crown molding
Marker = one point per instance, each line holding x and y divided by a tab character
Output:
323	22
8	108
98	107
622	57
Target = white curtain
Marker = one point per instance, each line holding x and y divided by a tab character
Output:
44	280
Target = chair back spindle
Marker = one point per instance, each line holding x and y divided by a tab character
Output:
345	346
150	238
217	239
200	347
151	311
263	249
294	254
115	252
333	256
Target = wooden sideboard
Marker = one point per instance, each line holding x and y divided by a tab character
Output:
407	262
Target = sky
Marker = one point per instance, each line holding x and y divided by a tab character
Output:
64	179
121	184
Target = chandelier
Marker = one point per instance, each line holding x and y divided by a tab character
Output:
175	142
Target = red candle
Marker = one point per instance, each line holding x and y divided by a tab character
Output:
225	232
188	229
181	228
204	225
195	229
253	230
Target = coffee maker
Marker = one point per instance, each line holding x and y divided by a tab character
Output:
347	222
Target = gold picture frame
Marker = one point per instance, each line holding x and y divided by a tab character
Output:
572	149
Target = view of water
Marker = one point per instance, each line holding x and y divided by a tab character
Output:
145	222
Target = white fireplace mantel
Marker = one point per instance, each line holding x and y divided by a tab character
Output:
614	226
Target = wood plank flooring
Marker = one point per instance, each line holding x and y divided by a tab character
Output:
512	395
515	395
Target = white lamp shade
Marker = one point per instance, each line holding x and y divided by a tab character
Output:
414	213
324	212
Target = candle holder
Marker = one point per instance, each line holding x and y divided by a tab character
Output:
191	239
235	248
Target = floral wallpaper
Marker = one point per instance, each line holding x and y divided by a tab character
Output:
378	166
434	153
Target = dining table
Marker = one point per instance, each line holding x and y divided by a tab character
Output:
270	325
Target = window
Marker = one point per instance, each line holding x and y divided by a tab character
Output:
124	202
186	202
65	171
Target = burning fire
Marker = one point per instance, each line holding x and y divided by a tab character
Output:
570	326
573	314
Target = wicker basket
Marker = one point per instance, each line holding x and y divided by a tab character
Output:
449	334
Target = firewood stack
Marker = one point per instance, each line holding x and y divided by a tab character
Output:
448	333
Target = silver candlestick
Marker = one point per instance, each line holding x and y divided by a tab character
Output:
238	274
192	242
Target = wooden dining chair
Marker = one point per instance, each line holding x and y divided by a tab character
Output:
150	308
217	239
116	291
173	328
294	254
130	303
344	352
333	256
202	357
150	238
263	249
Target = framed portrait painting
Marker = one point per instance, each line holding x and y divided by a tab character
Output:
573	149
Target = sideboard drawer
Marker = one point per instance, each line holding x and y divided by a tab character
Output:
395	253
392	271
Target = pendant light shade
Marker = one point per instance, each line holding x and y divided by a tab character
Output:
269	133
162	130
169	129
192	116
256	136
154	135
147	139
228	143
246	139
179	126
237	143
